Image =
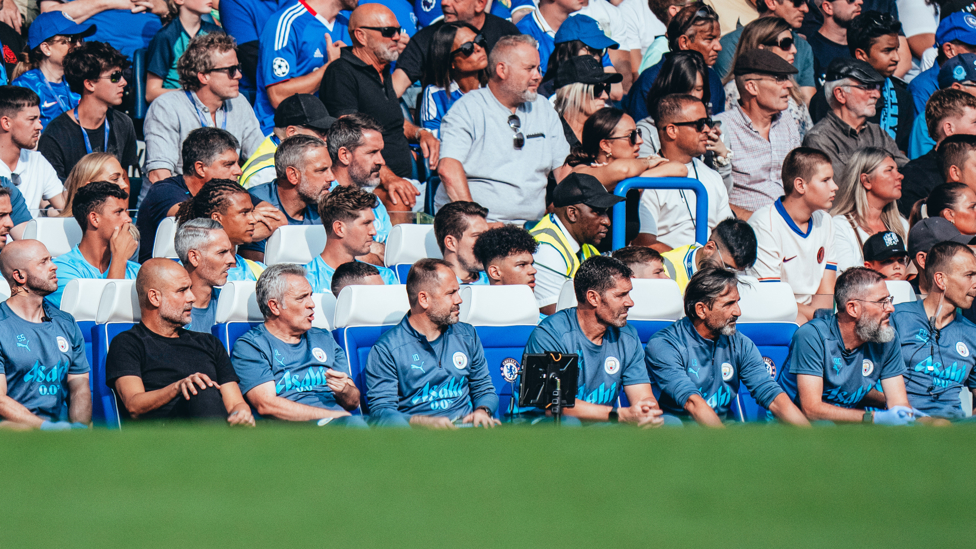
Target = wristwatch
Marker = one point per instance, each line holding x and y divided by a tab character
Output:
613	417
868	417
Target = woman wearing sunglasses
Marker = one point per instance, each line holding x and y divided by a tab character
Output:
457	64
582	89
867	204
776	35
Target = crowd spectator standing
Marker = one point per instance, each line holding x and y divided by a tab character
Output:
829	42
185	22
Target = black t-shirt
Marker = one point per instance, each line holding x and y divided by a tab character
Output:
921	176
12	44
350	85
413	60
814	19
63	145
825	51
160	361
162	196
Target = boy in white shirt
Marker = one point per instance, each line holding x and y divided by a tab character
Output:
20	128
795	233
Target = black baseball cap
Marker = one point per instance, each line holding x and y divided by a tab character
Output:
845	67
759	61
584	69
882	246
580	188
932	230
303	109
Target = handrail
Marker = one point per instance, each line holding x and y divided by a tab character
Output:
664	183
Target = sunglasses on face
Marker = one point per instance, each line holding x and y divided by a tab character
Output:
632	136
798	3
867	87
698	124
784	44
231	71
467	48
386	32
600	89
778	78
66	40
516	124
114	78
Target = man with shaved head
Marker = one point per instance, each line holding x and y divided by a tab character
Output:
360	81
44	381
160	370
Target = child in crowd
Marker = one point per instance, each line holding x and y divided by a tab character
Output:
170	43
645	262
885	252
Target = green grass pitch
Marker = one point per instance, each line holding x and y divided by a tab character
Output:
297	486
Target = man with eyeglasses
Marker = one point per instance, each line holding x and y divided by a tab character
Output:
836	360
210	76
359	81
791	11
94	70
830	42
500	142
852	90
757	130
668	216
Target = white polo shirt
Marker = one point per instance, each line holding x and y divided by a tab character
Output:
790	255
670	214
34	177
612	22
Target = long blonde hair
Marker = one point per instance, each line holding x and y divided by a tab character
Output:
82	174
852	199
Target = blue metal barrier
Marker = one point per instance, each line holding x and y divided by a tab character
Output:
680	183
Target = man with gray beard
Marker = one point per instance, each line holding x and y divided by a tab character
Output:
834	361
700	360
501	142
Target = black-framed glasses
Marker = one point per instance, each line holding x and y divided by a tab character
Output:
698	124
385	32
867	87
231	71
883	302
467	48
114	78
516	124
785	44
632	136
798	3
600	89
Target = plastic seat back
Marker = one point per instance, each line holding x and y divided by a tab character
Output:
901	290
408	243
294	244
164	245
237	312
657	304
58	234
118	310
81	299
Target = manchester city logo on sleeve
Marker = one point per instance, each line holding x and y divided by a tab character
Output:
510	369
727	371
63	344
867	367
319	354
611	365
460	360
962	349
770	366
280	67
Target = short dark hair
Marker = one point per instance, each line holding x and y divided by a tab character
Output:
14	99
292	153
671	106
348	132
943	197
91	197
802	162
422	274
212	197
680	22
351	273
955	150
637	255
738	239
344	204
660	9
88	61
505	241
598	273
853	282
452	220
205	145
939	258
944	104
706	286
438	70
867	28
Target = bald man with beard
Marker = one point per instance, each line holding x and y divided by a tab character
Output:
44	381
160	370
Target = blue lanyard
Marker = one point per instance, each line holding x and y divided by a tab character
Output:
84	133
56	96
203	119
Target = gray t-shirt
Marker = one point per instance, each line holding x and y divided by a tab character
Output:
510	183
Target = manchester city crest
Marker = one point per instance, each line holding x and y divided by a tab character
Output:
319	354
460	360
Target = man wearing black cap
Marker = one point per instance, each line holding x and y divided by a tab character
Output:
885	253
757	131
585	70
569	235
852	91
923	236
300	114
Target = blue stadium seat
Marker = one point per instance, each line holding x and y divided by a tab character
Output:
237	312
139	67
362	315
408	243
58	234
504	317
657	304
294	244
81	299
118	310
164	244
433	182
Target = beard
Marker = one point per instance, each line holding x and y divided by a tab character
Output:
618	319
842	22
41	286
727	328
528	96
363	178
305	192
445	318
872	329
174	315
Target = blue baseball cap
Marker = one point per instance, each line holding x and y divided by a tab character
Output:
586	30
961	68
54	23
958	26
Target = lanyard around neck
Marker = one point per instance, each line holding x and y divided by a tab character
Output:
84	133
57	97
203	119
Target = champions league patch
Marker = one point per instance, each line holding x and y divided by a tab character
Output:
280	67
63	345
770	366
460	360
867	367
727	371
319	354
960	348
611	365
427	5
510	370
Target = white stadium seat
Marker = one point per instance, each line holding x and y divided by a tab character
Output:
498	306
4	290
82	297
567	297
294	244
164	244
238	303
371	305
119	303
59	234
901	290
654	299
408	243
325	305
766	301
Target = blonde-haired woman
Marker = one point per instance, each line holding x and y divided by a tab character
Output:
866	204
583	88
93	167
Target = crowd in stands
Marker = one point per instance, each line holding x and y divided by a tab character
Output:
834	142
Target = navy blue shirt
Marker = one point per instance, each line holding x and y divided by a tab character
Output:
162	196
268	192
682	363
825	51
936	368
636	101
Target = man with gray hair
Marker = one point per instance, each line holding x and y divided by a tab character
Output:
836	360
852	90
502	141
207	254
288	369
